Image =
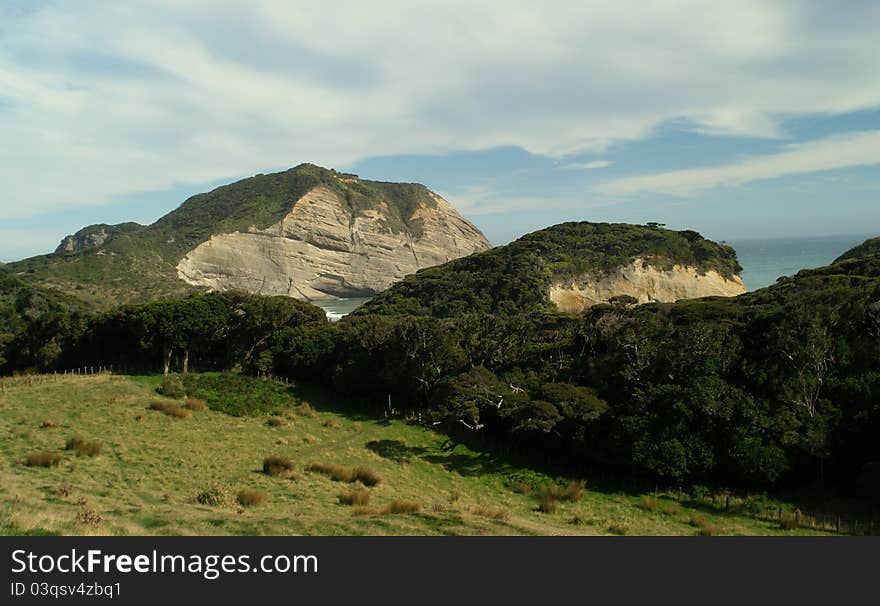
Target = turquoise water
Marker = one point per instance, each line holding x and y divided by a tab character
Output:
766	259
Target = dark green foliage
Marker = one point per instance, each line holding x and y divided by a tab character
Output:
172	387
866	249
240	395
516	278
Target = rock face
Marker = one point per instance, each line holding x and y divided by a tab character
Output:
644	283
321	249
93	236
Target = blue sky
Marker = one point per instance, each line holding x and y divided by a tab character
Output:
738	119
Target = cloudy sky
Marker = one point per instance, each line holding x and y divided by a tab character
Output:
741	118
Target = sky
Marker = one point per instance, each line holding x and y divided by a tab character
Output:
739	119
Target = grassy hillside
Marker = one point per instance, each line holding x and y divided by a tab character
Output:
138	264
180	472
516	277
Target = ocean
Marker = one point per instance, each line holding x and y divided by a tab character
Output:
764	260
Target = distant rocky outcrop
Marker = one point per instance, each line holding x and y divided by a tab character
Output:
307	232
322	248
570	267
93	236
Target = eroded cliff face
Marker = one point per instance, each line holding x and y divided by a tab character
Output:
321	250
644	283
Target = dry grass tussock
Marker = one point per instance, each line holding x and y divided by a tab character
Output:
354	497
251	498
341	473
401	507
172	410
279	466
83	447
43	459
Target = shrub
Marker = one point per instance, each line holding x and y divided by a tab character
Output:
195	404
43	459
276	422
574	491
402	507
305	410
618	529
789	522
648	503
250	498
354	497
523	488
494	514
548	504
367	477
698	520
172	410
278	466
83	447
89	517
47	425
341	473
332	424
215	496
172	387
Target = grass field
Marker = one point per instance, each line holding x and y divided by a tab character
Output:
121	459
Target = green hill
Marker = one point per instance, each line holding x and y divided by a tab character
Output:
137	263
865	249
517	277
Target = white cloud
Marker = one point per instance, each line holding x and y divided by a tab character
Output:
842	151
587	165
98	100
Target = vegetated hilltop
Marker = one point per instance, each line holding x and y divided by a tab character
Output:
569	267
779	385
866	248
307	232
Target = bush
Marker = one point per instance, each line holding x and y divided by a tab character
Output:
83	447
648	503
47	425
402	507
171	387
574	491
278	466
43	459
789	522
354	497
493	514
215	496
305	410
522	488
172	410
250	498
366	476
341	473
89	517
548	504
195	404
